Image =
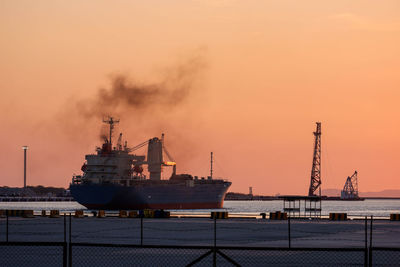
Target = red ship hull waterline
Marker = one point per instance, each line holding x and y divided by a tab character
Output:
187	206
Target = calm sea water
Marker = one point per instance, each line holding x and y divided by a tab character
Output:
355	208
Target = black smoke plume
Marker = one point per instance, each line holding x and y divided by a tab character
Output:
167	103
124	96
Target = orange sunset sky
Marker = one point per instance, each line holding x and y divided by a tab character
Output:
244	79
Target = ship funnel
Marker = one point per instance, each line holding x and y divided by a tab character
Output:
155	158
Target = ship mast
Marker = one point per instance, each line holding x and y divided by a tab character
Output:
111	122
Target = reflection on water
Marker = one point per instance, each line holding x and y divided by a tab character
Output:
376	207
381	207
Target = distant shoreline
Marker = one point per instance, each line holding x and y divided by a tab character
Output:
247	197
327	199
42	193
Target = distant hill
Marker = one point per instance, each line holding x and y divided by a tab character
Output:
331	192
384	193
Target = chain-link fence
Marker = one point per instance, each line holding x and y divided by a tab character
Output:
30	254
125	255
296	257
243	242
86	254
130	255
385	256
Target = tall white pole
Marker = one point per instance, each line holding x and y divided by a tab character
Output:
25	148
211	168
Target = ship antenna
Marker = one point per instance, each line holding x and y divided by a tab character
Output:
111	121
211	169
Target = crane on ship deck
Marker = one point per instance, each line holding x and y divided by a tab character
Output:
171	161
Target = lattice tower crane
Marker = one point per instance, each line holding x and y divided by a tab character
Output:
316	165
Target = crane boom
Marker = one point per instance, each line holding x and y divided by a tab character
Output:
119	145
350	189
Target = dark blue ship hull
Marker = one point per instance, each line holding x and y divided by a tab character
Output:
152	195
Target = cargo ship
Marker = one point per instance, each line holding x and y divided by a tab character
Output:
113	178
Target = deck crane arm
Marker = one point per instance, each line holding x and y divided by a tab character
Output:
119	146
139	146
168	155
171	161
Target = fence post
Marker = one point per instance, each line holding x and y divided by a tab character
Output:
289	232
215	243
70	227
370	242
65	251
7	226
366	243
141	230
70	245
